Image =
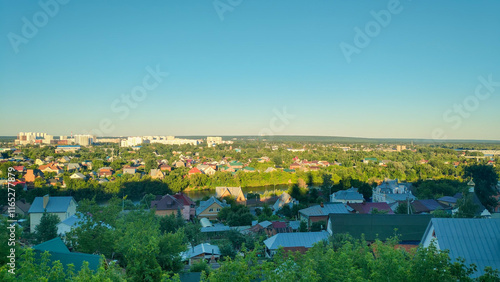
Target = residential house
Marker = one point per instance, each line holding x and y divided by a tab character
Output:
277	227
63	207
283	200
299	241
68	224
350	195
193	171
448	201
319	213
156	173
166	205
368	208
78	175
427	206
32	174
189	207
22	208
368	160
105	172
201	252
165	167
235	165
410	227
391	191
269	170
295	166
73	167
233	192
473	239
51	168
179	164
129	170
39	162
20	169
206	169
64	159
210	208
59	252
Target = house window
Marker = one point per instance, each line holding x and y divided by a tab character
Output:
211	210
218	209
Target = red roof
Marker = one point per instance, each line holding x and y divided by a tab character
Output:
19	168
184	199
194	170
366	208
278	224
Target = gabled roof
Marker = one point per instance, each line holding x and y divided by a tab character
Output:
350	194
72	221
427	205
54	245
55	204
59	252
167	202
380	226
299	239
205	204
325	210
23	205
476	240
204	248
448	199
184	199
233	191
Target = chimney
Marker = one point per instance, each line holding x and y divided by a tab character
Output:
45	201
322	205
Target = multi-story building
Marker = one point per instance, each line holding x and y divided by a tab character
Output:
212	141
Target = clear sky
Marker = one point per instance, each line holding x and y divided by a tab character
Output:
232	71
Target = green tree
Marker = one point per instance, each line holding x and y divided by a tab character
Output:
402	208
466	207
303	226
170	246
47	228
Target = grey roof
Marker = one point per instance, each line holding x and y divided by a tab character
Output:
295	224
299	239
401	197
265	223
325	210
72	221
79	174
476	240
215	228
55	204
205	204
448	199
204	248
350	194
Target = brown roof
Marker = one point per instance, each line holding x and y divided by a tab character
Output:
168	202
184	199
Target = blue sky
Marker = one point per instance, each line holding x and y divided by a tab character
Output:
230	72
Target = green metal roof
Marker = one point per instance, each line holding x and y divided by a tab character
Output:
54	245
381	226
59	252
